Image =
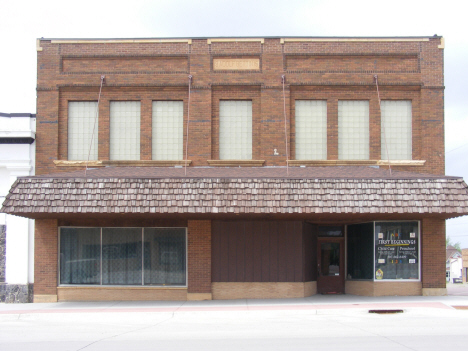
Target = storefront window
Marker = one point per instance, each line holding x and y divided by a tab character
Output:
164	256
396	250
360	251
80	254
123	256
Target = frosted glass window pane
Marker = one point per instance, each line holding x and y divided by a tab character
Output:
311	130
124	130
235	130
396	130
353	130
168	119
81	118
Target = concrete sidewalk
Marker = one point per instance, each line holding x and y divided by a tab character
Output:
316	302
320	322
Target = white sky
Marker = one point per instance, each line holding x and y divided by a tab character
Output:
21	22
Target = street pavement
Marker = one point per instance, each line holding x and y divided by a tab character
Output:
320	322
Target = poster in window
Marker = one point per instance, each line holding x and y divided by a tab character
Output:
396	250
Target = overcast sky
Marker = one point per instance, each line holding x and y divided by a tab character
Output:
21	22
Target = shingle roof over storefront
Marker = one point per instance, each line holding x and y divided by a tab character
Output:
325	190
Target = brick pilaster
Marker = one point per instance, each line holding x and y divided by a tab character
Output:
199	256
45	260
433	253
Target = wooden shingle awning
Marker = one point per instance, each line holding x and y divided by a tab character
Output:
215	191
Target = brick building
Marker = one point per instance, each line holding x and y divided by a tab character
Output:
227	168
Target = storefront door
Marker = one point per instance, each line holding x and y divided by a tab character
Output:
330	265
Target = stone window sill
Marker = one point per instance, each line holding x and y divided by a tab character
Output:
236	163
404	163
135	163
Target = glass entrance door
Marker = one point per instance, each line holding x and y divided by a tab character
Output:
330	279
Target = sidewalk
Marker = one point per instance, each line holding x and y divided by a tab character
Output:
320	322
316	302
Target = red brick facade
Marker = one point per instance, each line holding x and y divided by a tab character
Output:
314	69
332	71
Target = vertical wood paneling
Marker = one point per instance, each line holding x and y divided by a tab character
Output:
249	252
297	230
232	253
215	251
257	229
273	226
261	251
240	253
223	254
265	238
282	252
310	233
289	248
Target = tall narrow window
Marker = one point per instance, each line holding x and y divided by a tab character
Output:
124	130
311	130
81	119
168	119
353	130
235	130
396	130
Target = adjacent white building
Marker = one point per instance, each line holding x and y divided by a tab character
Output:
17	158
453	265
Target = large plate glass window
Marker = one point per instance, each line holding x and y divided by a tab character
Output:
123	256
80	256
396	250
383	251
164	256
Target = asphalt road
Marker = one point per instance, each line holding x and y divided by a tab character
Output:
425	324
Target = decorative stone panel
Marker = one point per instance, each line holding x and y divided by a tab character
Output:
16	293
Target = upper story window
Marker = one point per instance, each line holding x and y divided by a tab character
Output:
311	130
235	130
124	130
168	120
82	117
353	130
396	130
